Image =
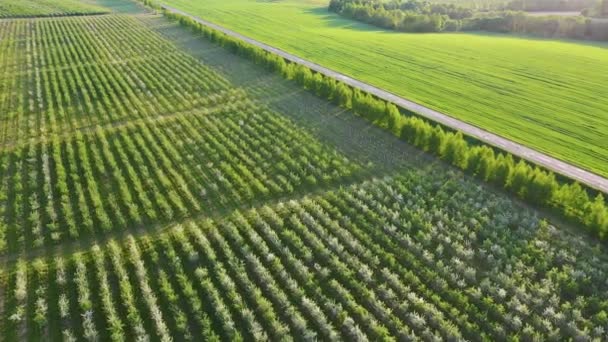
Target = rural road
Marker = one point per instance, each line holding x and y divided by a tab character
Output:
590	179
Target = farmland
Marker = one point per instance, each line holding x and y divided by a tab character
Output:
375	261
545	94
155	186
90	118
47	8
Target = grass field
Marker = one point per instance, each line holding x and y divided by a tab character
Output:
47	8
549	95
154	186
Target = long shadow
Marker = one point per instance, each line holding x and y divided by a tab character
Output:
122	6
333	20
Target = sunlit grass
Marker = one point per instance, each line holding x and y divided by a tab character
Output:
547	94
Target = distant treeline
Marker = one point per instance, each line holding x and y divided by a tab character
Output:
599	10
423	16
525	5
530	183
548	5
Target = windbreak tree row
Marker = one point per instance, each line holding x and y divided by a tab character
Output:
373	261
423	16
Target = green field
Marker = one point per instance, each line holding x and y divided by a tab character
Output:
156	187
549	95
47	8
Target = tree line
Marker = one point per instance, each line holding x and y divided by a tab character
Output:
547	5
422	16
529	182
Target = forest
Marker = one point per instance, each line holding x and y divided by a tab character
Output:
423	16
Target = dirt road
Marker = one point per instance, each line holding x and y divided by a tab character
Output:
539	158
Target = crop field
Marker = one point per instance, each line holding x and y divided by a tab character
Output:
47	8
165	133
546	94
156	187
374	261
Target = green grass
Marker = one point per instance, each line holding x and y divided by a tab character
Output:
46	8
547	94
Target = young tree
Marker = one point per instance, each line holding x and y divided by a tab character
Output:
437	140
456	150
275	63
393	117
318	81
475	155
487	163
378	109
358	102
309	80
409	129
542	187
303	76
573	198
328	88
343	96
503	170
423	135
288	71
520	179
597	216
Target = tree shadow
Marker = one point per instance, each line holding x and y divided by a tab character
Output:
334	20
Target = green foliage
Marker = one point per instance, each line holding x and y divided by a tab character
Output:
542	187
419	16
358	255
597	216
342	95
177	142
518	182
47	8
434	78
481	162
394	119
503	171
456	150
395	257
